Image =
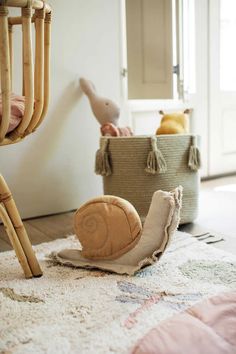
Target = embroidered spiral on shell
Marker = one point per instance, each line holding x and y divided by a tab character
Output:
107	228
90	222
92	230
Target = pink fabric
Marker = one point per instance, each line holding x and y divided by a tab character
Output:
206	328
17	111
110	129
125	131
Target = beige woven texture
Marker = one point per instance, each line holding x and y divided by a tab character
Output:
129	180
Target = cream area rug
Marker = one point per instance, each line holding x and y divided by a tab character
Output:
71	310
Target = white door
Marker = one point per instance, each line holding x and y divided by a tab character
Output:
222	86
149	49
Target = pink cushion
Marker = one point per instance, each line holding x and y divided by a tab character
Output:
17	111
208	327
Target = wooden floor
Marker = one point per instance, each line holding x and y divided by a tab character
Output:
43	229
217	213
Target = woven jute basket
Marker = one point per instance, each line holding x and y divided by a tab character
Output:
135	167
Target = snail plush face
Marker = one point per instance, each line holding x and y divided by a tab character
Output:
107	227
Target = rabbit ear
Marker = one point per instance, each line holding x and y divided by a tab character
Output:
92	86
188	111
87	87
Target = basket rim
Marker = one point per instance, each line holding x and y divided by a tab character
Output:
162	136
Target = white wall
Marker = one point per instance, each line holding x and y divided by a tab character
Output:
52	170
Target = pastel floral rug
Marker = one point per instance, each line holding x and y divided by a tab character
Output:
71	310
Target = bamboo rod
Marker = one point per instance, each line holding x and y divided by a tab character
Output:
39	72
28	80
5	72
15	242
36	4
0	83
23	66
8	141
47	46
18	20
14	215
10	34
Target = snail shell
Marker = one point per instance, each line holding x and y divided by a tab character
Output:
107	227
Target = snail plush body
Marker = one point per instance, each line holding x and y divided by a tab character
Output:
107	227
112	237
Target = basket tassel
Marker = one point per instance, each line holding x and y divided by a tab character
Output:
194	160
155	161
102	163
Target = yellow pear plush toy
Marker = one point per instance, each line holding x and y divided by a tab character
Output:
174	123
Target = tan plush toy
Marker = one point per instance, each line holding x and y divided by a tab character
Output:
112	236
103	108
174	123
105	111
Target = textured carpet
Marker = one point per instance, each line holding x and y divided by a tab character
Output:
72	310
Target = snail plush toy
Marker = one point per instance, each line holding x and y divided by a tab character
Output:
113	238
105	111
174	123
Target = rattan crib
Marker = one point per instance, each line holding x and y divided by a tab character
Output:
35	89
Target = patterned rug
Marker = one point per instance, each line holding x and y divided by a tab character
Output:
72	310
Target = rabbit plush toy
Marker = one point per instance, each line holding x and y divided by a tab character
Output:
105	111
